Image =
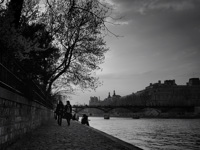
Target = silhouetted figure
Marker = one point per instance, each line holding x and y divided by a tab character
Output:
55	115
68	112
75	117
59	112
85	120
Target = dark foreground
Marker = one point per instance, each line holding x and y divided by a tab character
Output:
50	136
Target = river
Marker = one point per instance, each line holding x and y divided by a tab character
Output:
152	134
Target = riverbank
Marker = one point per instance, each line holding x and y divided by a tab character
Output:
50	136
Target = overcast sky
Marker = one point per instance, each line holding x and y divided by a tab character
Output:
161	41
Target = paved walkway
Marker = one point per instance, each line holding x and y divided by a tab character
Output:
74	137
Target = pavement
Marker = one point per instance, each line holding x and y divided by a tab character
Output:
51	136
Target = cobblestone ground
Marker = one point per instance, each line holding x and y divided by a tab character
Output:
74	137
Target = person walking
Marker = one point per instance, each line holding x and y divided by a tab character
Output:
59	112
68	112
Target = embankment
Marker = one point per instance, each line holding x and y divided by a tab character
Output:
19	115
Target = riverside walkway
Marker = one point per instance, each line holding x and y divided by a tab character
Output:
50	136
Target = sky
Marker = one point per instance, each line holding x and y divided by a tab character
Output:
160	40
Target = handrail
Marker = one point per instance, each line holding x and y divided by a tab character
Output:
17	80
10	72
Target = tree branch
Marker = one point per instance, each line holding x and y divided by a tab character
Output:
2	1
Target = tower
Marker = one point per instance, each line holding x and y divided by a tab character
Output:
109	95
114	93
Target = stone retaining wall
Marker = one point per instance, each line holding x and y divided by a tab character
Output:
197	110
19	115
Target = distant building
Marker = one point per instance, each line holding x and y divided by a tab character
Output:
115	96
169	93
161	94
94	101
107	101
193	82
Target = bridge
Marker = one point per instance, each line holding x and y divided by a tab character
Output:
132	108
181	109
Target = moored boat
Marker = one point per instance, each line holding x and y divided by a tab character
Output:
106	117
136	117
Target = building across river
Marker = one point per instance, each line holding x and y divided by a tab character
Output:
161	94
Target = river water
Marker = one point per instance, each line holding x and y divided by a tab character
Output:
152	134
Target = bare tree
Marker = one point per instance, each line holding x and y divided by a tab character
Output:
77	27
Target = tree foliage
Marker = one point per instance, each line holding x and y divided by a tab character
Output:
61	44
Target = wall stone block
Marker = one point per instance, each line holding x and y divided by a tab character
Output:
19	115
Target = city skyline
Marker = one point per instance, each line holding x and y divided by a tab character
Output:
159	41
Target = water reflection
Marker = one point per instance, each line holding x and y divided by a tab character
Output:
153	134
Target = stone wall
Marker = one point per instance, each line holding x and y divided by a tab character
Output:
19	115
197	110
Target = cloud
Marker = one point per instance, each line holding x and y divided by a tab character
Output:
145	5
129	9
171	5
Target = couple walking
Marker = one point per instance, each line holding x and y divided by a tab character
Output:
63	112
